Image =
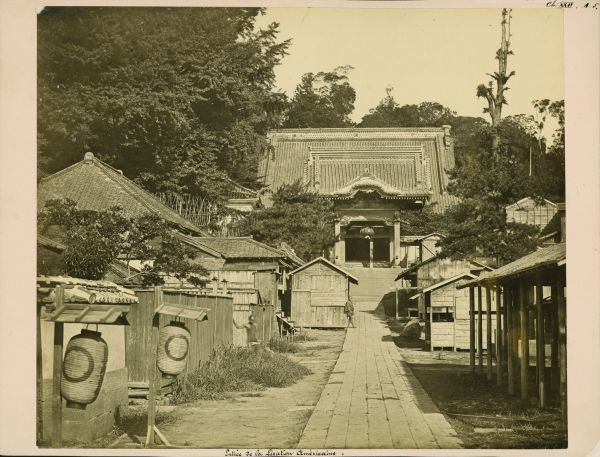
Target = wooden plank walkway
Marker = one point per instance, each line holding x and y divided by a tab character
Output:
372	399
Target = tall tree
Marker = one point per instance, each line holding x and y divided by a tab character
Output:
325	99
496	99
177	98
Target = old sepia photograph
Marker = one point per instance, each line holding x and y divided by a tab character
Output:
323	229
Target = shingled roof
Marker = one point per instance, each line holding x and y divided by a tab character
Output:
553	255
95	185
240	248
413	160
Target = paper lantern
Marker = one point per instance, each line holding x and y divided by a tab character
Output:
367	232
173	347
84	367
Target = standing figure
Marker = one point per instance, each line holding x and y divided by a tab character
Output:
251	332
349	311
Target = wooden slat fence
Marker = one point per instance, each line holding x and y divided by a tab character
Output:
206	336
264	316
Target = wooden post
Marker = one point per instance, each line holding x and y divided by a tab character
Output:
498	336
39	378
479	331
505	329
524	312
488	308
370	252
472	328
554	378
57	372
396	287
562	343
540	341
510	337
153	374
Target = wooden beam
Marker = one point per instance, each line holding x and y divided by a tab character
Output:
57	372
488	342
540	340
479	331
510	340
472	328
153	369
562	342
524	314
499	336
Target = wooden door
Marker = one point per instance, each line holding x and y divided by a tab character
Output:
301	308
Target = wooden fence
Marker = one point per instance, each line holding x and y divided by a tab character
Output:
264	316
206	335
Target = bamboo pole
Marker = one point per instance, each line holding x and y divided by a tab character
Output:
524	314
498	336
540	341
488	342
479	331
472	328
57	372
510	340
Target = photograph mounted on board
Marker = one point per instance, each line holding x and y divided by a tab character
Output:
301	228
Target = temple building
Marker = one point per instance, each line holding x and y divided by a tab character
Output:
372	175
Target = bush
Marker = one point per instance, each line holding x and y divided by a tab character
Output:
233	369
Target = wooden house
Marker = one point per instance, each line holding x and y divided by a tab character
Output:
531	212
431	271
319	292
447	314
244	263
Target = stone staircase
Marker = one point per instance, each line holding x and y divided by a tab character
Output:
374	286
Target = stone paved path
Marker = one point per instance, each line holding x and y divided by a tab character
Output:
372	399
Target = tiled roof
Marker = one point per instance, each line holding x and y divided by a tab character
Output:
286	162
50	243
240	248
94	185
401	174
553	255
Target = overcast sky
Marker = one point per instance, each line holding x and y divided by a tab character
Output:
424	54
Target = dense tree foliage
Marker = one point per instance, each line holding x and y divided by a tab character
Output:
177	98
94	239
298	217
325	99
388	113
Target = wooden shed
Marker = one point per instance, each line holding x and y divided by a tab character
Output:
319	292
447	314
519	290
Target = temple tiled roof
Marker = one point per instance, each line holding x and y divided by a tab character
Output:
94	185
414	160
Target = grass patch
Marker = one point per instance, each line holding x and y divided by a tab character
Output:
302	337
278	344
234	369
470	402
